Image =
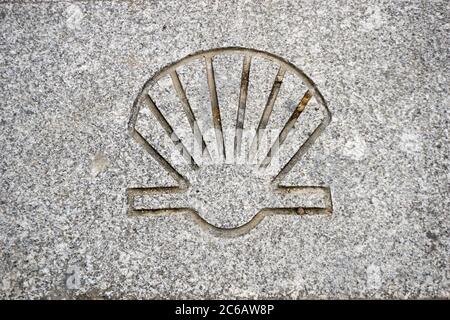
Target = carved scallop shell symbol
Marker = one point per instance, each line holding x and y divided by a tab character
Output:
207	123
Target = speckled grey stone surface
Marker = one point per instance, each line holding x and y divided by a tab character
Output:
69	74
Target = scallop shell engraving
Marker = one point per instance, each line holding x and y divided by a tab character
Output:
228	125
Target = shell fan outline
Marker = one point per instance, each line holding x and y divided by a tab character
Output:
207	209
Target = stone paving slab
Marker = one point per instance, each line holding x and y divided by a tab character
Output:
70	72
